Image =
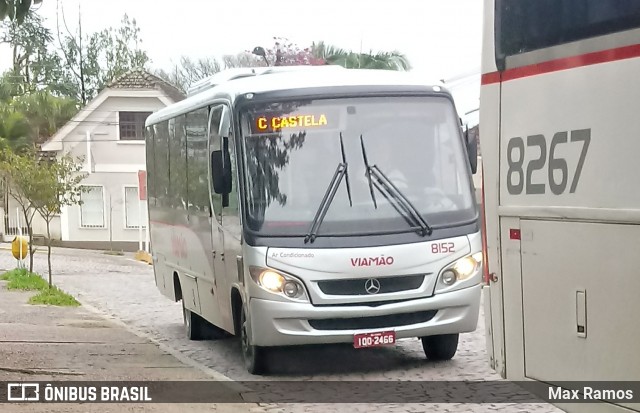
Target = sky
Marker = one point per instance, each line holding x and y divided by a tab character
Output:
441	38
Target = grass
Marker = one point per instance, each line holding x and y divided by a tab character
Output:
23	280
54	296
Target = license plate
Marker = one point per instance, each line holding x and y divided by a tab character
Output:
379	338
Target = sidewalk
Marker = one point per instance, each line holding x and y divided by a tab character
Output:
41	343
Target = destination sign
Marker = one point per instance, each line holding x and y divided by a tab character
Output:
271	122
264	123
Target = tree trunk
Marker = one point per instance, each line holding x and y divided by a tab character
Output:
31	249
28	221
5	202
49	249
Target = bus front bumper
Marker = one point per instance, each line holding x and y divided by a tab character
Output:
276	323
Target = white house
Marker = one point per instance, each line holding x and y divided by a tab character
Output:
109	134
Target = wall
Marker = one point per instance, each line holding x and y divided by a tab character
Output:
39	225
114	211
107	151
114	164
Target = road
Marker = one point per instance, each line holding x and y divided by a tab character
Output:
123	289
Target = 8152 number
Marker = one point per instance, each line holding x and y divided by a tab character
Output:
519	179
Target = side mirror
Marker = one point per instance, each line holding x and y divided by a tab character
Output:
221	172
472	151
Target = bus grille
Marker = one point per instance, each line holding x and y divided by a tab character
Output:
356	286
382	321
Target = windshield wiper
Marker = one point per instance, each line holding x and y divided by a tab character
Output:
388	189
341	172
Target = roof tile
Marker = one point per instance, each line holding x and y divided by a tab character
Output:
141	79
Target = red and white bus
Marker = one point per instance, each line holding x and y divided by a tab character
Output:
560	137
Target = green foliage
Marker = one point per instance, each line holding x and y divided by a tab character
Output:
15	131
23	280
42	187
45	113
93	61
16	10
382	60
56	184
54	296
35	64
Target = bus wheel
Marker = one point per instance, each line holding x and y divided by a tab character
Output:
254	356
441	347
192	323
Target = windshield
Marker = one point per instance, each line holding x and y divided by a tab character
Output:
292	150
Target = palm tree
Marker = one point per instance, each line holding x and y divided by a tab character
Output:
352	60
46	113
14	130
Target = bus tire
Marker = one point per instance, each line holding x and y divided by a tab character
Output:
193	324
442	347
254	357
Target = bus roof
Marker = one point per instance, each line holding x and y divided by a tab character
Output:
311	77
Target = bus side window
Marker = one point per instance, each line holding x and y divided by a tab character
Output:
161	149
150	166
215	145
178	162
198	163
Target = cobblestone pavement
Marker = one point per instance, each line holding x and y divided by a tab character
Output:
124	289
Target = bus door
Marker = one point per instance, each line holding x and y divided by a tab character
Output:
218	150
231	226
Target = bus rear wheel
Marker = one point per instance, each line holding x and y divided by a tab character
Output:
253	356
442	347
193	324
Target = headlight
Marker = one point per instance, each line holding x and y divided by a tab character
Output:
277	283
462	269
465	267
271	281
449	277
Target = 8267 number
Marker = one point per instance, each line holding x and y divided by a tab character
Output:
520	179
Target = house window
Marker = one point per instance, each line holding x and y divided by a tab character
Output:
132	125
131	208
92	207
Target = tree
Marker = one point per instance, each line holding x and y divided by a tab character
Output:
45	113
286	53
283	53
95	60
19	173
14	130
55	184
14	138
16	10
35	64
244	59
189	71
352	60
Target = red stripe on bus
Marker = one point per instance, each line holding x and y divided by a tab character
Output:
489	78
604	56
485	246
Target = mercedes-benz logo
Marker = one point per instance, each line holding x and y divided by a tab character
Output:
372	286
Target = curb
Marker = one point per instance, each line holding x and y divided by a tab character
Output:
169	350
